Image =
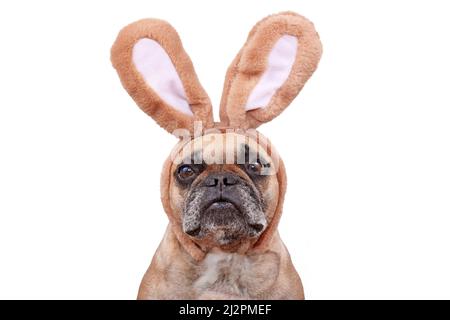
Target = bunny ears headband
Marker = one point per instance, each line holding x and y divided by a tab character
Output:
281	53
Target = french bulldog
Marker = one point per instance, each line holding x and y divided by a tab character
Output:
223	185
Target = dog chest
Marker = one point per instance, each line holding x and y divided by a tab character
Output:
237	274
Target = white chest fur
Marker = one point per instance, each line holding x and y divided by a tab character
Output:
237	274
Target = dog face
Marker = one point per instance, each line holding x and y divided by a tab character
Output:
224	190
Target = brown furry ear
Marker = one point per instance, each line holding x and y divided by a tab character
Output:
159	76
281	53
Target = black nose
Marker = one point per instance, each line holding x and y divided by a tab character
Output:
221	179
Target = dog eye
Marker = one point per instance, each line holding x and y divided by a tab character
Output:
185	172
254	168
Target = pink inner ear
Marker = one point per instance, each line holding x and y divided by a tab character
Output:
280	62
158	71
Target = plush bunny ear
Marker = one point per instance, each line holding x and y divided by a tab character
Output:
281	53
159	76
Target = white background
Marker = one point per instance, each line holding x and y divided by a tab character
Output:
366	146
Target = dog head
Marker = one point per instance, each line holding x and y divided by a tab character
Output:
233	203
223	189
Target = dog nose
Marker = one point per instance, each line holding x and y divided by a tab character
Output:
221	179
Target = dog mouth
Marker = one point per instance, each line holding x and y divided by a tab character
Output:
225	220
221	204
